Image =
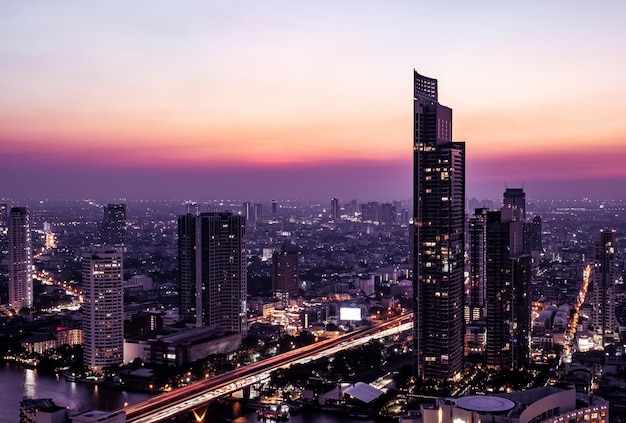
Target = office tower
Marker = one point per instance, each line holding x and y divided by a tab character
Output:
274	207
508	297
536	243
387	214
334	209
20	259
4	229
603	289
103	307
247	211
438	238
216	278
477	234
187	265
370	211
285	273
113	230
516	198
258	211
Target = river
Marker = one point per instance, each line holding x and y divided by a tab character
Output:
17	382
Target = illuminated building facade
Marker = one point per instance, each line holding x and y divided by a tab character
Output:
477	234
603	290
103	308
438	237
20	259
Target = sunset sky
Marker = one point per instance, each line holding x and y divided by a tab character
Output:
291	99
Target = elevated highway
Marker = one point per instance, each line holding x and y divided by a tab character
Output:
198	394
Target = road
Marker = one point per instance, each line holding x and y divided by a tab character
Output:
167	405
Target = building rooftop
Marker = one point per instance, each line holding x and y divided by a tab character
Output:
485	403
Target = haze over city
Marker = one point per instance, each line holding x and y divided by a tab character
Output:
305	100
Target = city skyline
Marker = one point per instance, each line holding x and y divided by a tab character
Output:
243	100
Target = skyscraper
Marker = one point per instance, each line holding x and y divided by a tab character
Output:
438	240
4	229
113	229
20	259
516	198
508	271
187	266
213	270
334	209
477	234
103	308
603	289
536	244
285	273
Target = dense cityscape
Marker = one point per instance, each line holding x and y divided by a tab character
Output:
440	308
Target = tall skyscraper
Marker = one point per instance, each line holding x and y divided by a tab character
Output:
603	289
274	207
536	243
187	266
20	259
113	229
213	270
246	209
516	198
285	273
477	234
438	240
334	209
103	308
508	271
4	229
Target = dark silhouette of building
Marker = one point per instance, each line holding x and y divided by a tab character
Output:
334	209
439	241
4	229
20	259
285	273
113	229
213	270
387	214
508	297
274	207
187	266
258	211
477	234
369	211
536	243
247	211
516	198
605	274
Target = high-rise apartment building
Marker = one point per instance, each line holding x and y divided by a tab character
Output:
536	243
20	259
213	270
438	237
477	234
508	273
516	198
285	273
274	207
334	209
603	290
103	307
4	229
113	229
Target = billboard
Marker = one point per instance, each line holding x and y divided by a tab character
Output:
349	313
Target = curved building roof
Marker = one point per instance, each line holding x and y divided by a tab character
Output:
485	403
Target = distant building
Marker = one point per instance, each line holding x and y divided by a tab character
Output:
334	209
4	229
438	237
285	273
516	198
213	270
605	274
20	259
246	211
113	228
477	233
508	272
103	308
536	243
274	208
